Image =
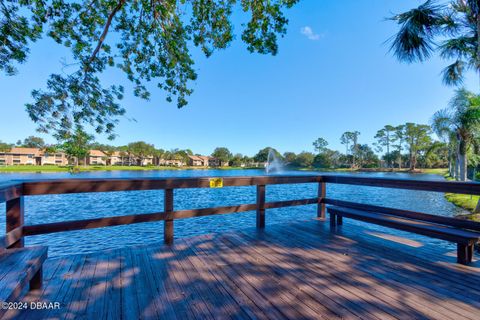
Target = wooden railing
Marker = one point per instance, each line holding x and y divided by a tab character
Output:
16	229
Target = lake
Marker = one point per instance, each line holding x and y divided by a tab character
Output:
52	208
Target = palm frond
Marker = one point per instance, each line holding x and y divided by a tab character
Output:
458	48
453	74
470	119
442	123
461	100
415	40
474	6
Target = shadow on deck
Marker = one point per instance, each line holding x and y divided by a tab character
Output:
299	270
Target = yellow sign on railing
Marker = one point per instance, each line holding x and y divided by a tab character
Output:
216	183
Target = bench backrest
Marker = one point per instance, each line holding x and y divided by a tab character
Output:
448	221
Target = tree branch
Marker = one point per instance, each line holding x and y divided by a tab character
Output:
105	30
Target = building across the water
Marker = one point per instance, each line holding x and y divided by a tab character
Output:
171	162
32	156
40	157
205	161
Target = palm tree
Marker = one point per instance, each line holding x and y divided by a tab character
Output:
441	127
158	154
460	122
450	29
123	153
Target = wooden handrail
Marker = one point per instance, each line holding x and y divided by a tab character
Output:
12	194
45	187
42	187
423	185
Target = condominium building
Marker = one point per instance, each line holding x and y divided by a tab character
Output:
36	156
32	156
205	161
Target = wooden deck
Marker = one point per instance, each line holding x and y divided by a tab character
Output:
295	271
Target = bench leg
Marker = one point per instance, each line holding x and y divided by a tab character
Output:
464	253
37	280
333	220
339	220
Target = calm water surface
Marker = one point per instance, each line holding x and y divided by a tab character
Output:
52	208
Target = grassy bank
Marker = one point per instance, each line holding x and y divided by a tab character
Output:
465	201
46	169
440	171
468	202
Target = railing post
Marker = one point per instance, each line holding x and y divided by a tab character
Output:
260	206
322	191
168	224
15	218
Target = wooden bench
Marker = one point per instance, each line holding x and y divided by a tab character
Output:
19	267
444	228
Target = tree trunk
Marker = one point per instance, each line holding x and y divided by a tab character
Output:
388	152
450	166
354	150
462	157
478	39
477	208
412	160
456	172
463	167
450	171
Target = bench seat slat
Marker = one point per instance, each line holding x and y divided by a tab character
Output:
416	226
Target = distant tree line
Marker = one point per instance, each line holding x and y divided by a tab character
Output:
405	146
409	145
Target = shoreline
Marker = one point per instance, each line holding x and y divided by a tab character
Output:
53	169
464	201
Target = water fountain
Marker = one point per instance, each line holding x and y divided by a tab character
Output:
274	163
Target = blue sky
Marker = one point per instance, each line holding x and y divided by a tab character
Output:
333	73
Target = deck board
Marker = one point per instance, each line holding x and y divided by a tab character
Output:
288	271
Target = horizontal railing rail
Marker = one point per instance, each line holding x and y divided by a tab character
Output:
30	230
13	194
472	188
110	185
